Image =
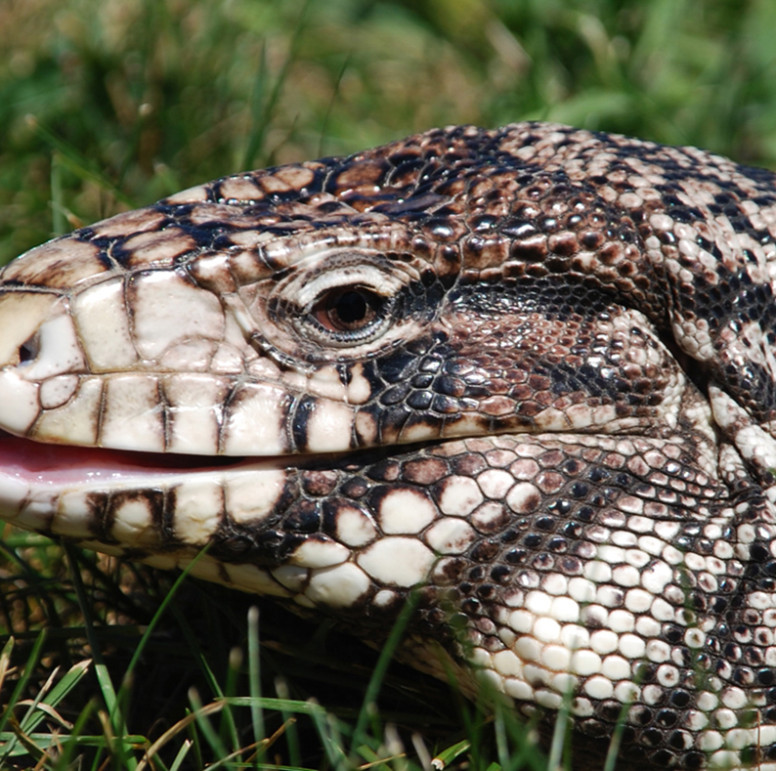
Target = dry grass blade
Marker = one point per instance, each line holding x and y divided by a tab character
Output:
182	724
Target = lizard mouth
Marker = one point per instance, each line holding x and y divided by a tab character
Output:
41	462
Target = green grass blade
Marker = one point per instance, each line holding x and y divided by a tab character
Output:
378	674
205	726
62	688
69	157
254	674
115	718
21	685
292	734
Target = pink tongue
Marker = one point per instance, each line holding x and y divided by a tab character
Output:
51	462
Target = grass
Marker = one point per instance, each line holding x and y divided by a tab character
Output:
113	104
107	105
162	673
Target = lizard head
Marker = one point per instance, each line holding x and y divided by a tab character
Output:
440	288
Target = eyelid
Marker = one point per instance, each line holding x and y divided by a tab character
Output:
366	277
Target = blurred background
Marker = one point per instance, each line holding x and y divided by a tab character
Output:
111	104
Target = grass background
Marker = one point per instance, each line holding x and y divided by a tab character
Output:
107	105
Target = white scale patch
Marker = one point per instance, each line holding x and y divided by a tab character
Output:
315	553
487	517
523	498
252	494
329	426
134	524
519	690
495	483
585	662
169	309
133	417
507	664
555	583
359	389
405	512
638	600
529	649
556	658
565	609
74	515
76	421
658	651
603	641
632	647
662	610
57	390
548	699
102	323
255	421
626	575
450	536
19	405
198	507
384	598
337	587
354	526
195	407
189	356
397	561
546	630
599	688
616	668
460	496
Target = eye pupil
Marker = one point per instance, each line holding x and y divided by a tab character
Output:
348	310
351	307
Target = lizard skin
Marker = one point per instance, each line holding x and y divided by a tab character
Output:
527	373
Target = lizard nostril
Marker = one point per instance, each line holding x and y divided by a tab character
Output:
29	349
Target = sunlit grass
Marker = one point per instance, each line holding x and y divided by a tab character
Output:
202	679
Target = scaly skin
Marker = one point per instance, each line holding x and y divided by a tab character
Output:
529	371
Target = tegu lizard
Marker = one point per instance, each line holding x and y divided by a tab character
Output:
527	374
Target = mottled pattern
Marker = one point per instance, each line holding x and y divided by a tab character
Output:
529	371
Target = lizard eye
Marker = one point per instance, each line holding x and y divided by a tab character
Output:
345	300
348	309
350	314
